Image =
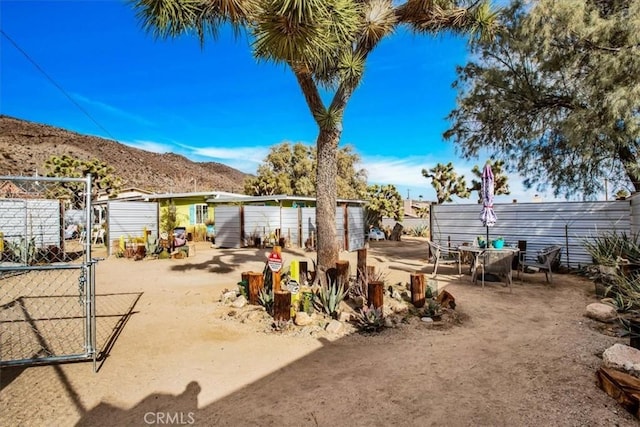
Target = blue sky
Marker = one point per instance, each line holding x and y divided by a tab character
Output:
220	104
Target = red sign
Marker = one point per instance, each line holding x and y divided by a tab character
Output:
275	261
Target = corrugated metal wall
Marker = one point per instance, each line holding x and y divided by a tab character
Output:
539	224
308	223
129	219
290	225
260	220
31	218
635	214
407	223
228	226
356	226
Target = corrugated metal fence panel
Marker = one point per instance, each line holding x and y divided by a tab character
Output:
43	221
308	223
340	231
290	226
129	219
635	214
261	220
228	226
32	218
355	218
539	224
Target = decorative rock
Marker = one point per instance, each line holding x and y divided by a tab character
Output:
623	358
396	295
601	312
388	322
228	297
427	320
344	316
302	319
359	302
239	302
334	327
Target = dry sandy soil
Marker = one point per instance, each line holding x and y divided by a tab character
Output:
521	358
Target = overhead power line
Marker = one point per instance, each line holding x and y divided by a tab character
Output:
56	84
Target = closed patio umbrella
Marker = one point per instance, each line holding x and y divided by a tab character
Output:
487	216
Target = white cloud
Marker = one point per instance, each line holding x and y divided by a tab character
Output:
113	110
154	147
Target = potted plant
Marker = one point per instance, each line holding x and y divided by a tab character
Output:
498	242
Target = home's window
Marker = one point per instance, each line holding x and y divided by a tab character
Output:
202	213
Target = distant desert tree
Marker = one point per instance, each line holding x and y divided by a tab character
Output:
383	201
446	182
501	186
102	175
325	44
291	169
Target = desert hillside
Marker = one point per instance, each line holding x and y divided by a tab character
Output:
24	147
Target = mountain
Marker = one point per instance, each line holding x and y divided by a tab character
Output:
24	147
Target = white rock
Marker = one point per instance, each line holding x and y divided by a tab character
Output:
239	302
334	327
344	316
228	297
623	358
427	320
601	312
302	319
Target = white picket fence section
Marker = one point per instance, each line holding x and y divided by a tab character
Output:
539	224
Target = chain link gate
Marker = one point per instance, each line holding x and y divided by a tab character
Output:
47	274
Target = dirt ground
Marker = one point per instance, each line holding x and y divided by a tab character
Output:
521	358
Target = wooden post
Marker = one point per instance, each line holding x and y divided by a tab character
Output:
304	267
282	305
276	274
342	267
362	266
375	294
418	291
371	274
256	283
245	276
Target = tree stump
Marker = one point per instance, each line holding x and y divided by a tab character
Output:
343	271
396	233
282	306
361	270
418	290
375	294
256	283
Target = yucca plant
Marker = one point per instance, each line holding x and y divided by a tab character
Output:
265	299
329	297
370	319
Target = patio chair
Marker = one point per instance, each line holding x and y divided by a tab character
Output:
545	260
444	255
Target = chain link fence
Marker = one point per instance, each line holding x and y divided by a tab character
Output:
47	274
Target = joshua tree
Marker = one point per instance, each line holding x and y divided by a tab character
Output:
325	43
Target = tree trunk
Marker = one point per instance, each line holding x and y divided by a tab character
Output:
327	169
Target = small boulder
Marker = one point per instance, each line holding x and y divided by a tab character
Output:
334	327
344	316
302	319
239	302
359	301
228	297
601	312
623	358
427	320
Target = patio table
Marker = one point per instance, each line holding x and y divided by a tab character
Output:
496	261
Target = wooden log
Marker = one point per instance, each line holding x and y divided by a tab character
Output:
624	388
282	305
276	274
362	266
418	290
256	283
343	271
375	294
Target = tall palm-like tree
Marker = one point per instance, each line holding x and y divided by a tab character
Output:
326	44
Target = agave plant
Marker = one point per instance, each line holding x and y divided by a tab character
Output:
265	299
370	319
329	297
